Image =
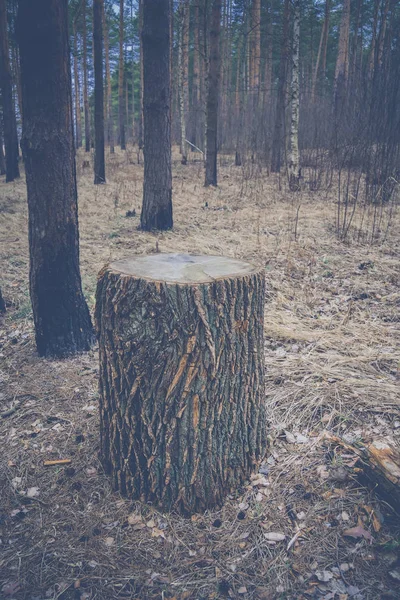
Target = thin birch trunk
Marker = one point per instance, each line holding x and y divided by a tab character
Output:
294	164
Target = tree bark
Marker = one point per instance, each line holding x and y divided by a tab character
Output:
2	304
141	114
9	120
378	465
99	162
61	316
277	143
212	96
321	56
294	163
121	100
78	119
85	81
182	413
342	62
183	74
2	157
110	120
157	185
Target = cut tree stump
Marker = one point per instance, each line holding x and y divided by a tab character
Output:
182	402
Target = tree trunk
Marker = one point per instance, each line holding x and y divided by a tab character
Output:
121	100
61	316
2	304
321	49
342	62
182	413
277	144
85	82
157	186
110	121
2	157
141	113
78	120
294	163
9	121
99	163
212	96
183	74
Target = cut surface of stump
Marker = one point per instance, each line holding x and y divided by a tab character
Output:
182	402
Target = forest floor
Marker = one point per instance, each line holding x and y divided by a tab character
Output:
332	355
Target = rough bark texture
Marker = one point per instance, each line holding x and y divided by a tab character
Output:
110	121
342	62
78	119
121	100
378	466
212	96
10	125
182	414
2	304
2	157
99	162
85	81
183	74
61	316
157	186
277	144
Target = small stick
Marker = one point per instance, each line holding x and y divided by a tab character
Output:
59	461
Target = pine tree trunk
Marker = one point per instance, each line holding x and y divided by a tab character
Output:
182	413
2	304
157	186
85	81
9	121
99	162
184	74
342	62
2	157
321	56
61	316
294	163
121	100
110	121
78	119
212	96
277	143
141	113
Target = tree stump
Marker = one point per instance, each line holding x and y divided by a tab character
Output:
182	413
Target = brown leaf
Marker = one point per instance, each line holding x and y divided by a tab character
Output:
358	532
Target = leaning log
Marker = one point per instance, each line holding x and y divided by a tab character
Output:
182	414
378	465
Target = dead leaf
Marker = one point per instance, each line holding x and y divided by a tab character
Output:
273	536
155	532
322	472
133	519
323	576
109	541
10	588
242	590
32	492
290	437
151	523
358	532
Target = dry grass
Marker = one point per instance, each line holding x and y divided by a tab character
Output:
332	354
